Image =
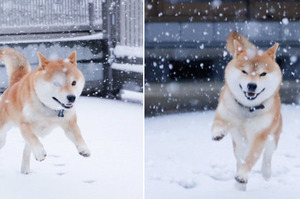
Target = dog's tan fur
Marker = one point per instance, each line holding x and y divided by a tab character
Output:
252	132
20	104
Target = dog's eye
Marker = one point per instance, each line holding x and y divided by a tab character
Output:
244	72
263	74
73	83
57	84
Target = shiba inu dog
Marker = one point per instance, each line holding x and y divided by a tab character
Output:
249	106
39	101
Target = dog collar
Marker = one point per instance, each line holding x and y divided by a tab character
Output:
251	108
61	113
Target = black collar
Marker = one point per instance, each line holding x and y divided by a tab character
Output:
60	112
252	108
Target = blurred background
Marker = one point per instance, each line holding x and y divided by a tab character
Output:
107	35
185	55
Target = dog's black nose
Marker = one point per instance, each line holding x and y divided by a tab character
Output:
252	86
71	98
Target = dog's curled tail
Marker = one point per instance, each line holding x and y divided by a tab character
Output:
16	64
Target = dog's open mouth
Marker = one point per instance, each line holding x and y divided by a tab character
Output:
251	95
67	106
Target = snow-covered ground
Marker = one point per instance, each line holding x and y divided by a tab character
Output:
183	162
113	132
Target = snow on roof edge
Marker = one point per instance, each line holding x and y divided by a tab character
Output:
76	38
128	67
128	51
132	96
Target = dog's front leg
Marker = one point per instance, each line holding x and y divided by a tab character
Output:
25	169
72	131
244	168
33	142
219	128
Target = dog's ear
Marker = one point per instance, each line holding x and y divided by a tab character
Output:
238	48
72	58
272	51
234	40
43	60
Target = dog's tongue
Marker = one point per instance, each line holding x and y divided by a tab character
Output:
251	94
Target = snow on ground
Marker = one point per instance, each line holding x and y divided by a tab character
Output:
113	132
183	162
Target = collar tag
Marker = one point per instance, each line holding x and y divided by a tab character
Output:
251	109
61	113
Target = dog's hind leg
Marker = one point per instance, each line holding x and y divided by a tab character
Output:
3	133
25	169
33	141
4	127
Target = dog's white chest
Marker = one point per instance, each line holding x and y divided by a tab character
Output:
43	129
249	128
258	123
42	121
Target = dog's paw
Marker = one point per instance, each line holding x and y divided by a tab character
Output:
25	168
240	186
25	171
241	180
266	172
39	154
218	133
84	151
218	137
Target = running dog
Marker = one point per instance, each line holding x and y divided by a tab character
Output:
249	106
39	101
